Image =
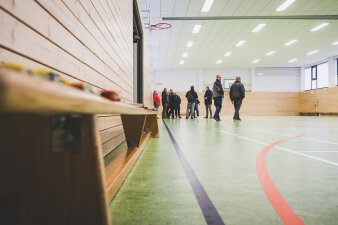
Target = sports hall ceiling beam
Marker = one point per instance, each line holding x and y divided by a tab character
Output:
295	17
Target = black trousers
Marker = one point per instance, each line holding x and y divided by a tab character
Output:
237	105
178	112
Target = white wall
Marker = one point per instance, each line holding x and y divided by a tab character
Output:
181	80
265	79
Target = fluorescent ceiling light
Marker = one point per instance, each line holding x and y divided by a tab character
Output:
259	27
207	5
290	42
292	60
270	53
256	61
283	6
228	54
181	62
189	44
312	52
219	61
240	43
319	27
196	29
185	54
335	43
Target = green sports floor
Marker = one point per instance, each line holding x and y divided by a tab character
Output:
246	179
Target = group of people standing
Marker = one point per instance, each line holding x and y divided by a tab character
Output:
171	102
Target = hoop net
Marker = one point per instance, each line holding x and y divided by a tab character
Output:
160	26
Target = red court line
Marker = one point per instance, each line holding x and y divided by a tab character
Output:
284	211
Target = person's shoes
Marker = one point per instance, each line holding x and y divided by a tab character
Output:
218	119
186	117
205	117
192	117
180	117
239	119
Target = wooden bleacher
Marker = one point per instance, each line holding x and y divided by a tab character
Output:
51	156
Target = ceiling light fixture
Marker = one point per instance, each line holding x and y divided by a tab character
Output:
335	43
228	54
240	43
181	62
219	61
207	5
189	44
196	29
259	27
290	42
256	61
312	52
320	26
270	53
185	54
292	60
283	6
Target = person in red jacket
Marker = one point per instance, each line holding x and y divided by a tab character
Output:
157	101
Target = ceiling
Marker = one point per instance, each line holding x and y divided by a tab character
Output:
218	37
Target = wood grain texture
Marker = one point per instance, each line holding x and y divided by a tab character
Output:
320	101
133	126
50	187
24	93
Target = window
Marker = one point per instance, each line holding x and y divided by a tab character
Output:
323	75
317	76
308	79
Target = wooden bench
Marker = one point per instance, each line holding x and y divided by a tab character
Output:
51	159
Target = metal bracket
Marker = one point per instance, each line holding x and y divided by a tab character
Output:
67	133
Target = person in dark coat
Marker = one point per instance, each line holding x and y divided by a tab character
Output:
208	102
191	96
164	103
237	93
171	104
177	106
217	95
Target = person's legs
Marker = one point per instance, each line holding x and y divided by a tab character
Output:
179	111
164	115
196	108
238	104
206	110
175	110
188	110
218	104
210	110
192	108
167	111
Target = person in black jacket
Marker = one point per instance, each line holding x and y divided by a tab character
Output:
164	103
237	93
218	95
177	106
208	101
171	104
191	96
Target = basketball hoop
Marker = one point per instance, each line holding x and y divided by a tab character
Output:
160	26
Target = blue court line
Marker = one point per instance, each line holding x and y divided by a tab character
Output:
209	211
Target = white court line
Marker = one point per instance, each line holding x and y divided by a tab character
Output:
317	151
283	149
288	135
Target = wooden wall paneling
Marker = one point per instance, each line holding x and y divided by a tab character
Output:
112	144
308	101
101	26
124	24
322	100
10	56
105	122
82	29
111	133
333	100
58	35
50	187
115	31
20	38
